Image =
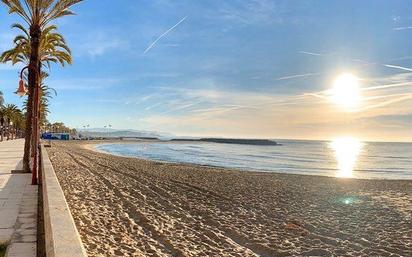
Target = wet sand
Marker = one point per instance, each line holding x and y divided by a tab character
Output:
132	207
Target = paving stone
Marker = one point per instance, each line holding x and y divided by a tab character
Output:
18	203
8	217
21	250
6	234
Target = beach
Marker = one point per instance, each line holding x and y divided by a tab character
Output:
132	207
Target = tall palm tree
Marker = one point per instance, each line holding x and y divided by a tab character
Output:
46	93
53	49
37	14
12	112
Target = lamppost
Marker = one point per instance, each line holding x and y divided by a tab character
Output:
11	129
8	129
21	91
1	127
86	127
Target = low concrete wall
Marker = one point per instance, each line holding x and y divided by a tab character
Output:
60	233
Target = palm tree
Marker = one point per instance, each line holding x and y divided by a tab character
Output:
53	49
46	93
37	14
12	112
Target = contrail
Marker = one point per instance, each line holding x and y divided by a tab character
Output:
403	84
164	34
365	62
402	28
401	58
396	100
397	67
310	53
298	76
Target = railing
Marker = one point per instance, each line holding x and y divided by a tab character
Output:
60	235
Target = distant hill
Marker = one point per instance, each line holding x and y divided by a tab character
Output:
116	133
231	141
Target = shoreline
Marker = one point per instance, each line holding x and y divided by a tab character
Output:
132	207
92	147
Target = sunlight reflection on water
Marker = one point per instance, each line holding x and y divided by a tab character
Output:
343	157
346	150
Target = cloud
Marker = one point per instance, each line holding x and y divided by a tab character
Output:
103	46
311	53
398	67
253	12
214	111
6	40
99	43
9	67
152	106
402	28
84	84
298	76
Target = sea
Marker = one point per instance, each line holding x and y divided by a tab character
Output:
343	157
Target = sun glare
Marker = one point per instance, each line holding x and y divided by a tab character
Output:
346	150
346	92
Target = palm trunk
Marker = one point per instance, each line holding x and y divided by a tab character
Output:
28	132
34	66
36	109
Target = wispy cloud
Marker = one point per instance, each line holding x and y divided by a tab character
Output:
398	98
256	12
402	28
80	84
10	67
385	91
163	35
215	111
364	61
298	76
104	45
98	43
311	53
408	57
148	108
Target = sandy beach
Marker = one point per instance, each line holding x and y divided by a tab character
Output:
132	207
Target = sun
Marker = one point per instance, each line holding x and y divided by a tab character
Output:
346	92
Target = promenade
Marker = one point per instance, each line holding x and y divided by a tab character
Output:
18	202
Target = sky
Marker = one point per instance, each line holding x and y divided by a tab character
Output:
232	68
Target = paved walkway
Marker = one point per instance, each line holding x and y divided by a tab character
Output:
18	202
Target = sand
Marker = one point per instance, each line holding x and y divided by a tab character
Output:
132	207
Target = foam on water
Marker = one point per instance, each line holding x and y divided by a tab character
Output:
375	160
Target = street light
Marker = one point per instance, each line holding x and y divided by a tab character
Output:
1	127
21	90
11	129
